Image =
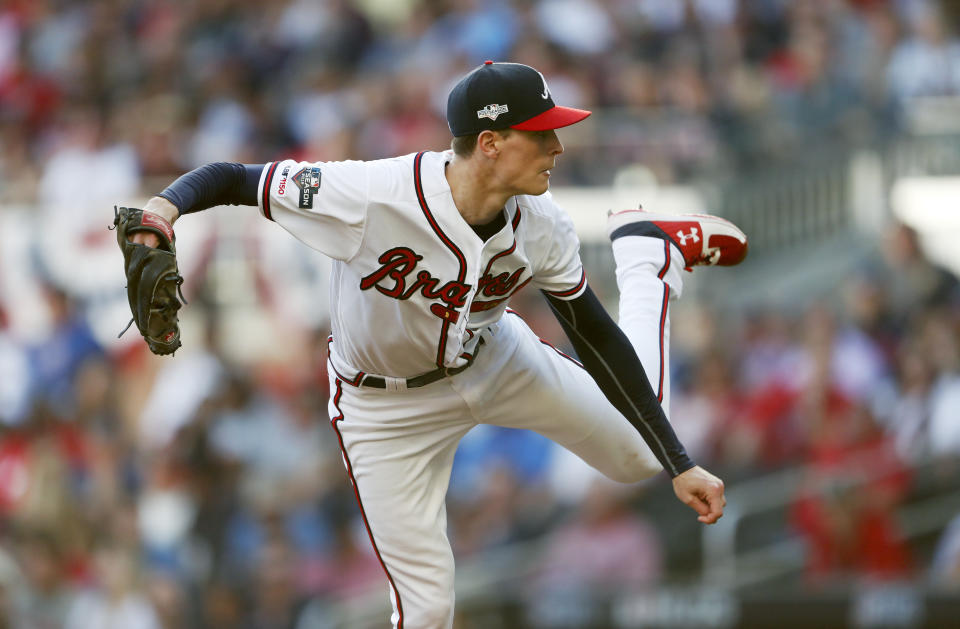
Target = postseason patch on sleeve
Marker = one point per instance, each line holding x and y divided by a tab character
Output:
308	180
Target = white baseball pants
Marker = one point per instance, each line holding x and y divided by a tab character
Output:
398	446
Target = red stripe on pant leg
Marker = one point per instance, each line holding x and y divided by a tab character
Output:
356	492
663	321
663	313
666	259
564	355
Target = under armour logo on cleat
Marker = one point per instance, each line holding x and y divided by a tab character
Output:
683	237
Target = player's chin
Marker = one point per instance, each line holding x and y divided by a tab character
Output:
540	185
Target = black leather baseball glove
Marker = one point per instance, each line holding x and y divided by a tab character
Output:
153	280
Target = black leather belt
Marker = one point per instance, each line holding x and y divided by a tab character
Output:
377	382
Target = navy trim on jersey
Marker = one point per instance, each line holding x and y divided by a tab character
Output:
356	493
572	291
480	306
505	252
418	186
267	182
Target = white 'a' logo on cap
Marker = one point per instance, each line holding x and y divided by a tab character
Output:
492	111
546	90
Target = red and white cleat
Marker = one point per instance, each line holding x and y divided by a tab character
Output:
704	240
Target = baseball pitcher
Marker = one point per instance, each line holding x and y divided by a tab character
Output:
428	248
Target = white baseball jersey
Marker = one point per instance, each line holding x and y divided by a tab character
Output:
412	282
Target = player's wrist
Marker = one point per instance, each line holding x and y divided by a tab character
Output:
684	465
163	208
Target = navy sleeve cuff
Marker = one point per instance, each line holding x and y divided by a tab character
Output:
221	183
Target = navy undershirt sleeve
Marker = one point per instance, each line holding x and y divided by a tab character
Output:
610	359
220	183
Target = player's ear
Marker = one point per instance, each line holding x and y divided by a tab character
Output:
488	144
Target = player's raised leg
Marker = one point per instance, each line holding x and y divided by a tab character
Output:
526	383
521	381
651	250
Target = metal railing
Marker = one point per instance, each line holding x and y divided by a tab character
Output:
726	562
790	207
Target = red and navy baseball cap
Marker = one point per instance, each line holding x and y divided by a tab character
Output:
506	95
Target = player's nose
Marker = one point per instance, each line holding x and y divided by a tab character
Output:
555	147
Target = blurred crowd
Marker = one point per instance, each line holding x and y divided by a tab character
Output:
208	491
142	90
861	387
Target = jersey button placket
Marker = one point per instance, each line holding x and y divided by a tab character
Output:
465	313
461	327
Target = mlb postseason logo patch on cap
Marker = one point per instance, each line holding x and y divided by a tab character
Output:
474	103
492	111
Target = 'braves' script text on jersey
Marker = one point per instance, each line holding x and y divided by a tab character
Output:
422	282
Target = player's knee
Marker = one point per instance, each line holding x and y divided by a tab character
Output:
646	471
637	475
436	617
434	610
634	469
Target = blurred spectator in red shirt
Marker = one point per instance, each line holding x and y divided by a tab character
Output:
846	509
